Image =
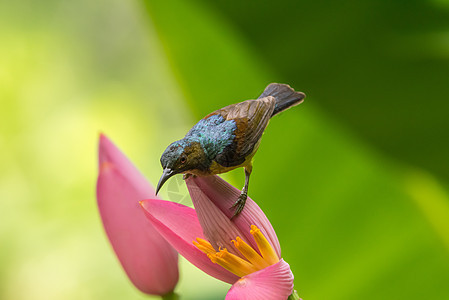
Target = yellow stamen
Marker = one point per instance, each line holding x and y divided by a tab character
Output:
234	263
265	248
204	246
250	254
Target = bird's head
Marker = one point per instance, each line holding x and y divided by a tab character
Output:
181	157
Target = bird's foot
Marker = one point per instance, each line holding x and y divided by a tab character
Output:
239	205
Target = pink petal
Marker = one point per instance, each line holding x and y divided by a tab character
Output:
179	225
148	260
109	153
217	227
272	283
213	198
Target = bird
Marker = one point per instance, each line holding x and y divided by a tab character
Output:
227	139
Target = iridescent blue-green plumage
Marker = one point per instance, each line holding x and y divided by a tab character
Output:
227	138
214	134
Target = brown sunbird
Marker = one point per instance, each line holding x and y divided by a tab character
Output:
227	138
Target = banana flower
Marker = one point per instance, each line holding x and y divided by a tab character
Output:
244	251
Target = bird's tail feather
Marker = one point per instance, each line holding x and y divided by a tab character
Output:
286	97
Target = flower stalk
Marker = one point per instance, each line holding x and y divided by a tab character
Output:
294	296
171	296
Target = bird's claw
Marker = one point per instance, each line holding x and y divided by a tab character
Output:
239	205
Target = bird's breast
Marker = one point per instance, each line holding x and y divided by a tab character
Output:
216	168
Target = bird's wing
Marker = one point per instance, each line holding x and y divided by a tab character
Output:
251	118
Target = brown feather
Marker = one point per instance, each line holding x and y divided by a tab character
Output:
251	118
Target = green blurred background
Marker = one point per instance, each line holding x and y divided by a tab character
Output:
355	180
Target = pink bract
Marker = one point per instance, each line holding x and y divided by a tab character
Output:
272	283
213	198
147	258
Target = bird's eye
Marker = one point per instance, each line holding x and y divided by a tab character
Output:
183	159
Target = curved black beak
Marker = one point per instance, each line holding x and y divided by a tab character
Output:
165	176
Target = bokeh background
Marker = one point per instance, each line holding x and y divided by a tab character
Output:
355	180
